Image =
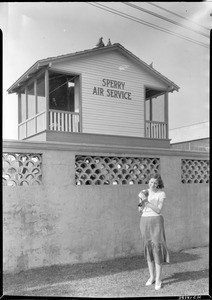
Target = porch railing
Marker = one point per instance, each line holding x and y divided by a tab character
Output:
32	125
156	130
64	121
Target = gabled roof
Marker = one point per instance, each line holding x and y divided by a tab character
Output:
48	61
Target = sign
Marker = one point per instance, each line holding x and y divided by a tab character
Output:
113	89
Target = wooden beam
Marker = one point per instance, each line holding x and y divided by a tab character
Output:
47	97
166	113
79	84
150	109
36	103
19	108
145	131
19	113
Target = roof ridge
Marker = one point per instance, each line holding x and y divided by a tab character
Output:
80	51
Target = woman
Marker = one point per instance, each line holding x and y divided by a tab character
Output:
152	229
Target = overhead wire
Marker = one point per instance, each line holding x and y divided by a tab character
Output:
204	122
164	18
129	17
177	15
58	87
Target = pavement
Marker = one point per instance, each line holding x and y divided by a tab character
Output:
187	275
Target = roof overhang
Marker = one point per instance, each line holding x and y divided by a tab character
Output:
45	63
26	76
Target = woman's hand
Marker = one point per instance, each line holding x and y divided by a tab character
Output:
140	209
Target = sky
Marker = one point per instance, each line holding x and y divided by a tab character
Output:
34	31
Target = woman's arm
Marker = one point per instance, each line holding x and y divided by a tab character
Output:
158	208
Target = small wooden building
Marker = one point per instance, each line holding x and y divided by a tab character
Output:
94	95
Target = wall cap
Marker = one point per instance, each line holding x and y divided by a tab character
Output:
37	146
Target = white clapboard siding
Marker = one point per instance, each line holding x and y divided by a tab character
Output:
107	115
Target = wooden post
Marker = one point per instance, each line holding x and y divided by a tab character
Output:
36	103
19	114
26	99
166	114
19	108
150	109
145	124
47	97
79	84
150	117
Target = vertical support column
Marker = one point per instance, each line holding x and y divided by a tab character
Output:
36	104
145	124
150	117
47	97
166	114
19	114
19	108
150	109
26	99
79	84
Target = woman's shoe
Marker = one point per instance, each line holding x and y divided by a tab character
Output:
158	286
149	282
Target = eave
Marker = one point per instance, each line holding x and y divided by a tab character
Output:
48	61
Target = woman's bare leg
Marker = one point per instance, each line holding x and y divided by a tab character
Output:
158	269
151	266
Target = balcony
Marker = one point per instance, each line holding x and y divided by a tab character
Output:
64	121
156	130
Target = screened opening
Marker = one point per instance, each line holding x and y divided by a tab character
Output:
63	92
155	105
155	110
158	109
23	105
31	100
41	99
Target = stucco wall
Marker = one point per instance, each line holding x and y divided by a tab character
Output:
61	223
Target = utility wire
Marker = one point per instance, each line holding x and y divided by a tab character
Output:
164	18
127	16
58	87
190	125
169	11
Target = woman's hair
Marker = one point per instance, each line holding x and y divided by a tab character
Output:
159	180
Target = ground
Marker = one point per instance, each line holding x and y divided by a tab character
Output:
186	275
